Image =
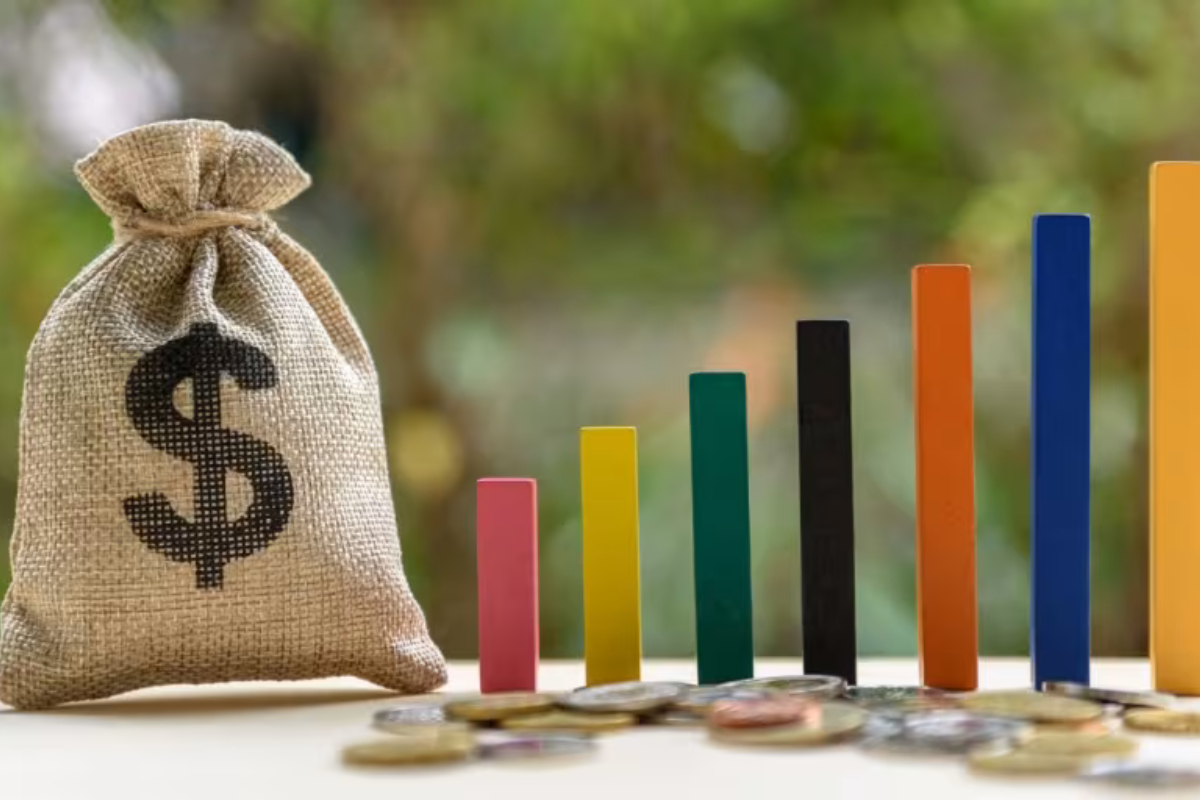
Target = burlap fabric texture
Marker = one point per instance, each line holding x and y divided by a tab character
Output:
203	492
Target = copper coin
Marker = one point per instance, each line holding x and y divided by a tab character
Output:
764	713
836	722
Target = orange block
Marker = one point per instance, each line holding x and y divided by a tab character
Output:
947	630
1174	426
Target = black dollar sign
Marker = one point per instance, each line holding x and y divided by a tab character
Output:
212	541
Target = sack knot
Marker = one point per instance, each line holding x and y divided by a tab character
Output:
142	226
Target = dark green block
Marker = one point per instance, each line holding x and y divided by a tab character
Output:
721	526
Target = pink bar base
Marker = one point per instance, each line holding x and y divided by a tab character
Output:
506	542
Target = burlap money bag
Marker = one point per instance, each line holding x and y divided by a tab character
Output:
203	491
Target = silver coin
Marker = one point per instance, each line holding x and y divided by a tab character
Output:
814	687
635	697
535	746
697	699
1113	696
409	715
678	718
1144	776
915	697
939	732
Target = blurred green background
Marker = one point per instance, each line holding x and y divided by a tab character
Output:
546	213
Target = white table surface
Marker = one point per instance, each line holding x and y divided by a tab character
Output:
276	740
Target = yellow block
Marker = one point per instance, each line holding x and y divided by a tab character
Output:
1175	426
612	612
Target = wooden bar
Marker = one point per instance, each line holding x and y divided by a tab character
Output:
611	582
1060	451
826	498
507	566
1175	426
721	526
946	600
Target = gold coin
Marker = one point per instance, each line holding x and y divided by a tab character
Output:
1021	762
1082	745
570	721
1161	721
1092	726
423	728
1032	706
836	721
502	705
427	745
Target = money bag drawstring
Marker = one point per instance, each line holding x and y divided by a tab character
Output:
141	226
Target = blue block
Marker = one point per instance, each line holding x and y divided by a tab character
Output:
1060	625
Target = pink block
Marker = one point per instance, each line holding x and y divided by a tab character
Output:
506	542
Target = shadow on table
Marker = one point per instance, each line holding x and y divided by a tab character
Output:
209	702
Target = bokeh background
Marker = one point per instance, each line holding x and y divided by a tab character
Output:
546	213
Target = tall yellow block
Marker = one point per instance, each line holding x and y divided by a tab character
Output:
612	612
1175	426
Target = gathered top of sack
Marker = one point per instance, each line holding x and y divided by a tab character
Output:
184	178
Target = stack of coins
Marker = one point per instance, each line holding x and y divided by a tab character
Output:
1065	730
784	721
443	729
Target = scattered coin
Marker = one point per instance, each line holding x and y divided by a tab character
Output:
814	687
1092	726
536	746
423	729
1163	721
634	697
432	745
408	715
940	731
763	713
1024	763
901	697
571	721
1114	696
1033	706
502	705
1084	745
678	717
1144	776
837	721
698	699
